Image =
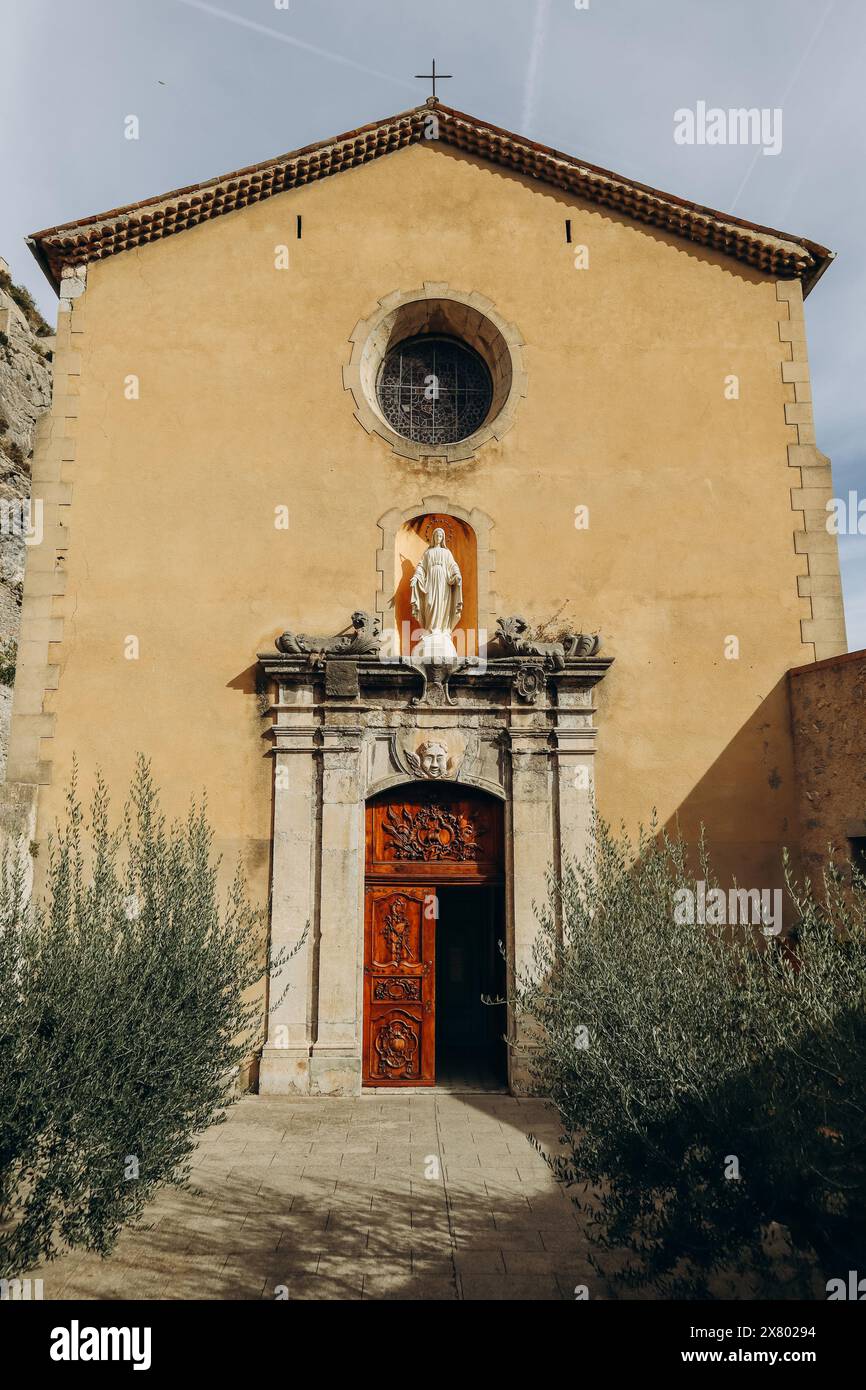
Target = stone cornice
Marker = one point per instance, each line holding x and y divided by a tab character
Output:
373	671
489	690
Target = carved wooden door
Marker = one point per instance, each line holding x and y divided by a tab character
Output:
400	986
418	837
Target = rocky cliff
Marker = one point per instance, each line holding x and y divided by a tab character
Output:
25	393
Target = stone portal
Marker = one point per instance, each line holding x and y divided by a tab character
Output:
348	726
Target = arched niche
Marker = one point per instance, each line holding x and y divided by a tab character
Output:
399	544
410	542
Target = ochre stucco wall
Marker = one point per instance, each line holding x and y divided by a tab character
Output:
242	408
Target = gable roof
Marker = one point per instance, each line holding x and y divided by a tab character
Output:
137	224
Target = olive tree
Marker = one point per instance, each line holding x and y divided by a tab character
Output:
710	1083
126	1011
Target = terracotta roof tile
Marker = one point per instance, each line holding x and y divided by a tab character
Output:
108	233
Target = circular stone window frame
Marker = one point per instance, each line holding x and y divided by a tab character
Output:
436	307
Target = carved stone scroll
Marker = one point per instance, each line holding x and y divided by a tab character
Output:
364	639
513	636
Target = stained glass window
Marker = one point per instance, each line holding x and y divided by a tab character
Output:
434	390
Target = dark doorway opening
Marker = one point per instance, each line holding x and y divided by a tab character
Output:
470	1045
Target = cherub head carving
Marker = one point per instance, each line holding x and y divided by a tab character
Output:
433	758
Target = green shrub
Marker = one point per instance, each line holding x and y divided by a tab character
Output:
710	1090
124	1016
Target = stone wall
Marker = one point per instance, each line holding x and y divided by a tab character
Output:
828	711
25	394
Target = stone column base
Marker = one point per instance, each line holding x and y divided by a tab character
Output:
335	1074
284	1071
520	1081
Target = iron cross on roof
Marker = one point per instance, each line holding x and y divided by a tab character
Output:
434	75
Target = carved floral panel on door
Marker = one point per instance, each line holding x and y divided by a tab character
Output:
418	836
433	834
399	986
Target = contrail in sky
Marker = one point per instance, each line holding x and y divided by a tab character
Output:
539	33
282	37
787	92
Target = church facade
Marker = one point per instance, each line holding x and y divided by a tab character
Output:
408	493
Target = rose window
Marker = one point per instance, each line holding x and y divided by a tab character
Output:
434	390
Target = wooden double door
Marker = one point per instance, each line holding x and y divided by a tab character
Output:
422	842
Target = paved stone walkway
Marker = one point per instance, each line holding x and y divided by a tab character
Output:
394	1196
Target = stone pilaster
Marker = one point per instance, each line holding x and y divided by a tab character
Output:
285	1065
575	768
336	1059
532	855
46	603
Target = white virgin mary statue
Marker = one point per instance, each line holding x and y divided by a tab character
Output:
437	601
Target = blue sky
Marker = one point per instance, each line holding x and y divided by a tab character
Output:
218	86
